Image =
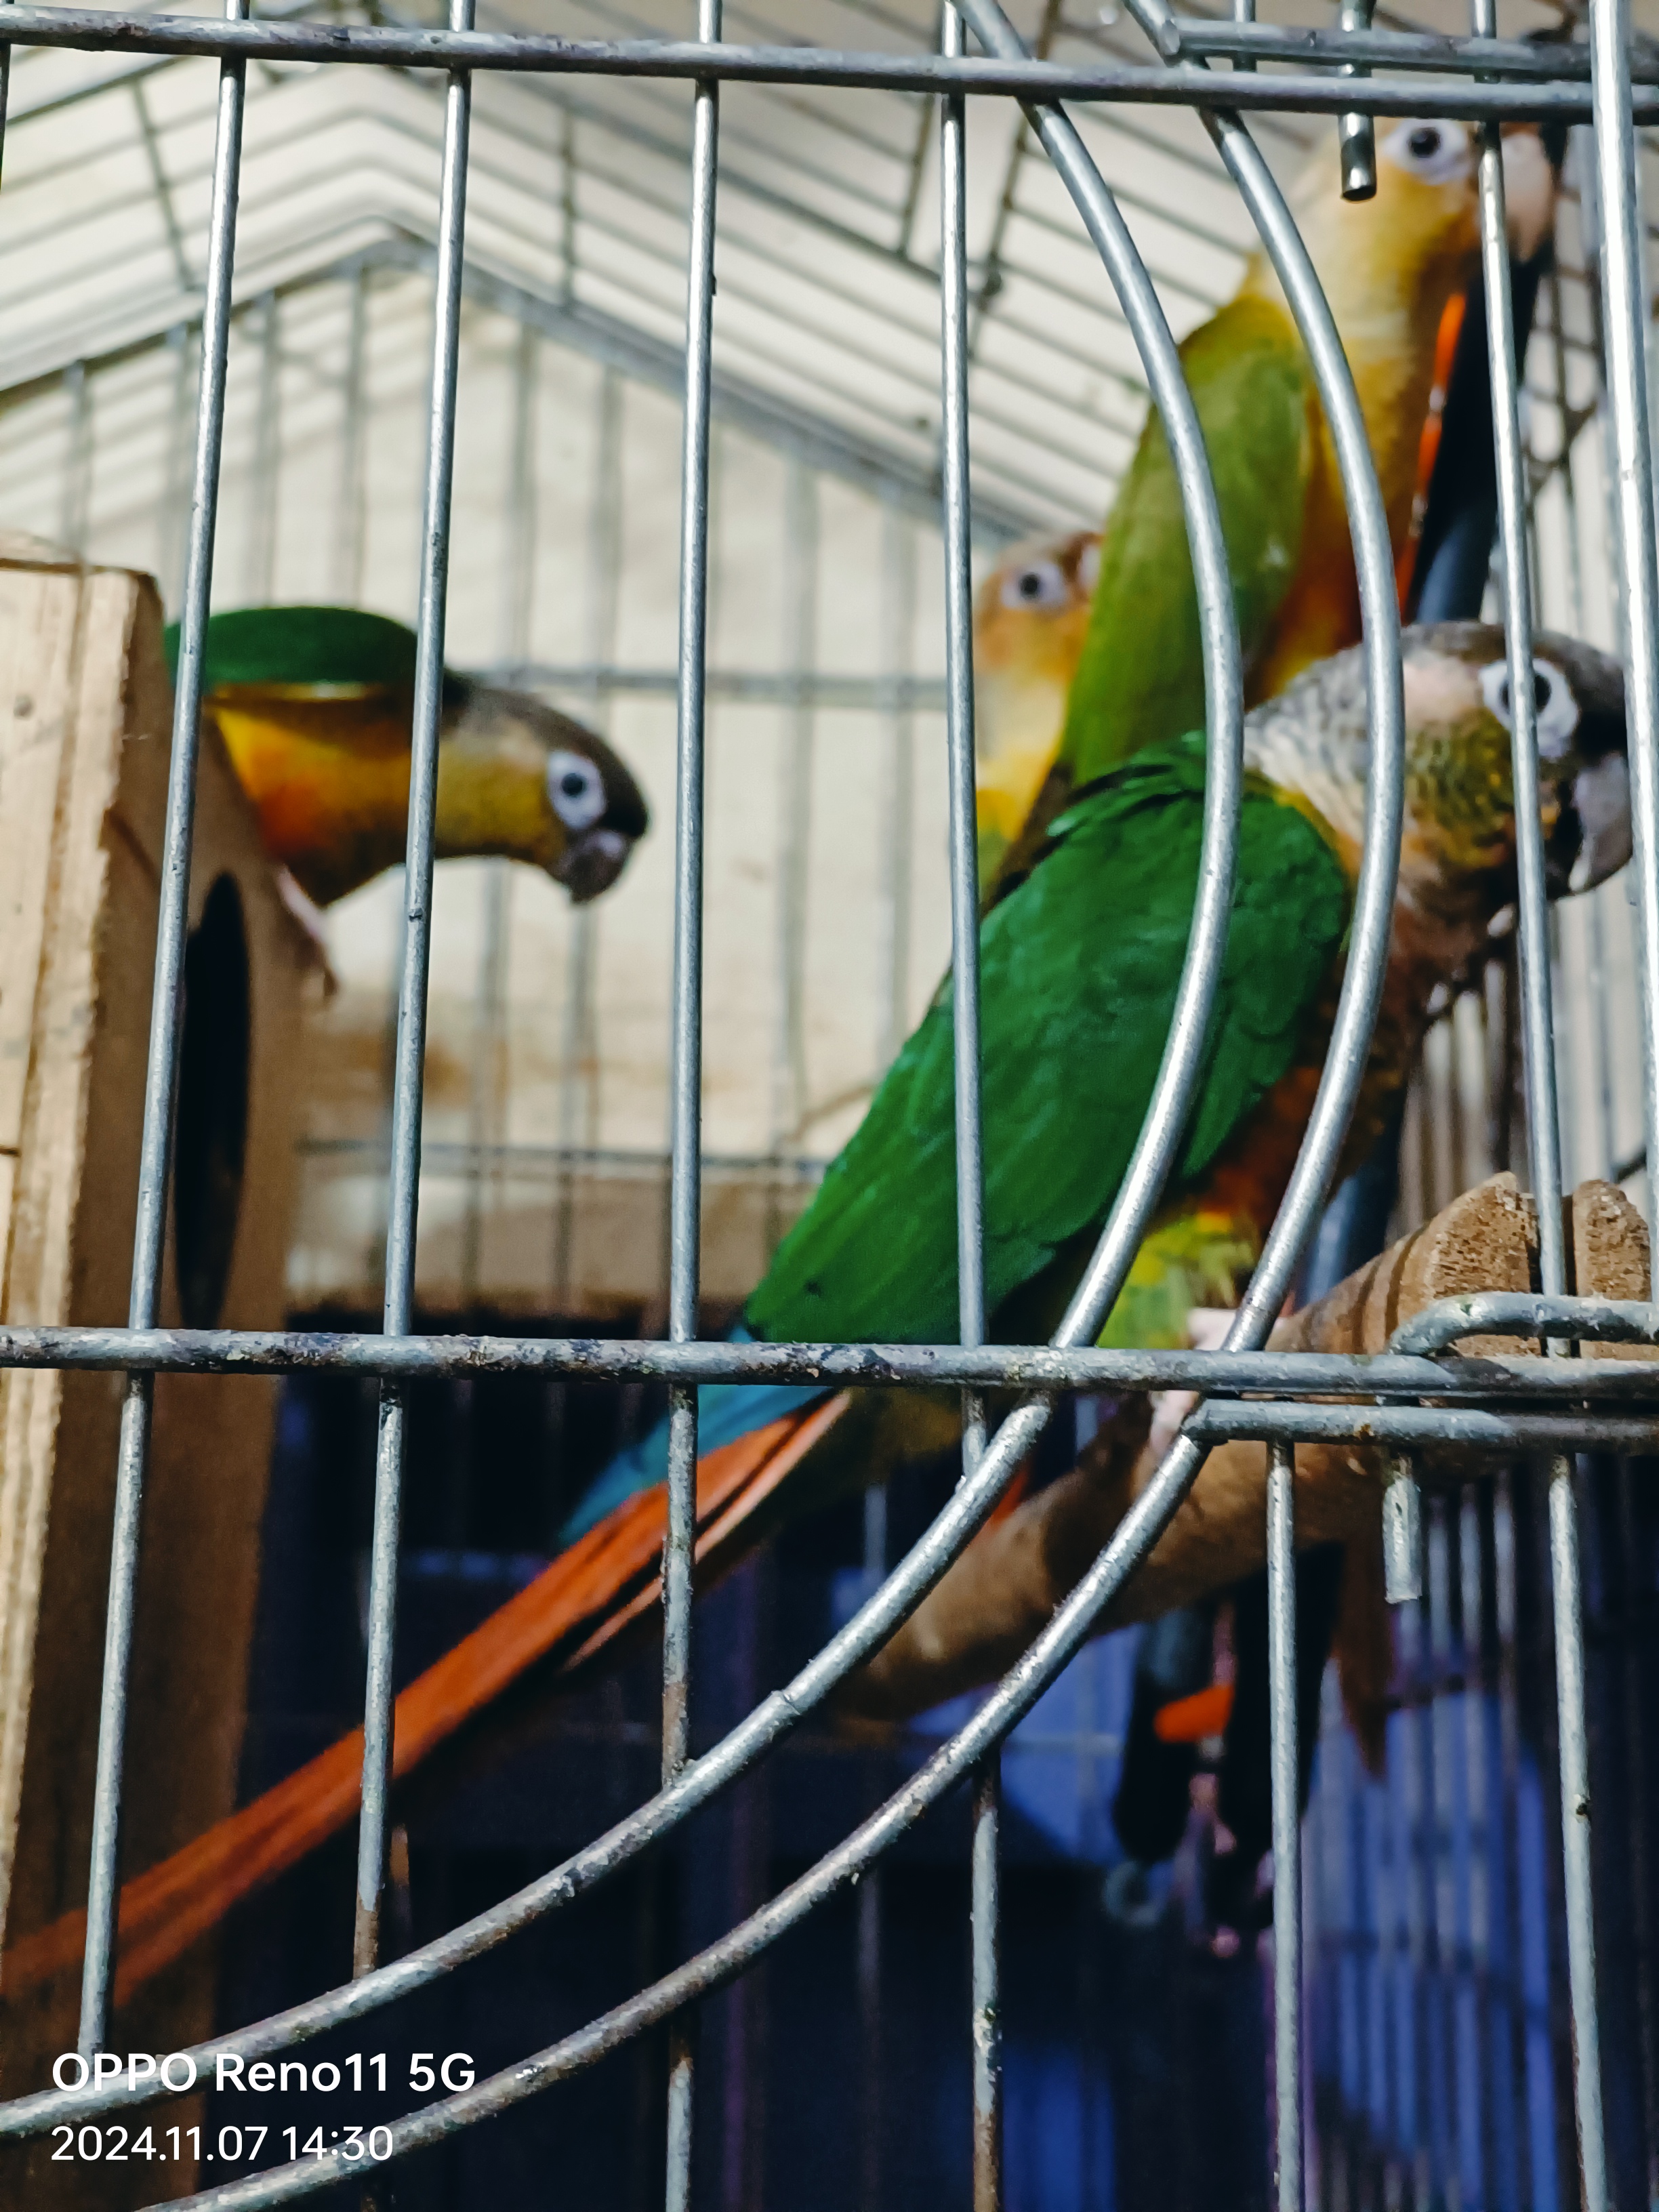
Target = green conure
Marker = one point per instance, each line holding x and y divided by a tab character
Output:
314	707
1080	963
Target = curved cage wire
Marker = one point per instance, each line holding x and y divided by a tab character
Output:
1409	1401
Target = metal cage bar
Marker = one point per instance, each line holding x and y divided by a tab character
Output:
685	1135
5	90
162	1067
1537	83
1543	1127
410	1062
1287	1825
984	1910
1624	338
1525	1404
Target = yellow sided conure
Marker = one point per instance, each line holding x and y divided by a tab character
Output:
1389	266
1030	615
314	707
1079	967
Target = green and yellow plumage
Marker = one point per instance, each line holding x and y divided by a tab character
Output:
1080	962
1141	674
1387	267
1078	969
314	707
1030	616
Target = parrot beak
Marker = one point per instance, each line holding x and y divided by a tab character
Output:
590	864
1598	817
1590	838
523	779
1529	187
597	811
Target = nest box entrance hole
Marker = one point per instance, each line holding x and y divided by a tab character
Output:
211	1140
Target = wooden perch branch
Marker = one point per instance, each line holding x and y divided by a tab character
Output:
1002	1591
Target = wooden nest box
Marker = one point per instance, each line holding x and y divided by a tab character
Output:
85	721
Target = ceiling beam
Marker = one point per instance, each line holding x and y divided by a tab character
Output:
901	480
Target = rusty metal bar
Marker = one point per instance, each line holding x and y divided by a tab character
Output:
1542	83
1406	1372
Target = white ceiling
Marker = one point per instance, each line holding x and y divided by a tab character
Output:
828	300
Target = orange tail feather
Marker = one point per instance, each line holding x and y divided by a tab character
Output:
1189	1720
1428	451
607	1579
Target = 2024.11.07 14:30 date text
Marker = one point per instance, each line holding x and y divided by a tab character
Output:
236	2146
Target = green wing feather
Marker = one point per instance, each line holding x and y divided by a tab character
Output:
1141	675
1079	967
320	646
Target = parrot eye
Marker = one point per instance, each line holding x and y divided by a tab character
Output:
576	789
1038	584
1434	153
1554	707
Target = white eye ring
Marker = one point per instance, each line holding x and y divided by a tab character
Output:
1088	566
1035	584
1555	709
1434	153
576	789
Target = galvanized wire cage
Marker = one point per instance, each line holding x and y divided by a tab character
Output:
1415	1397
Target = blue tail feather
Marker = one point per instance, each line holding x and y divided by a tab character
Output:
726	1411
